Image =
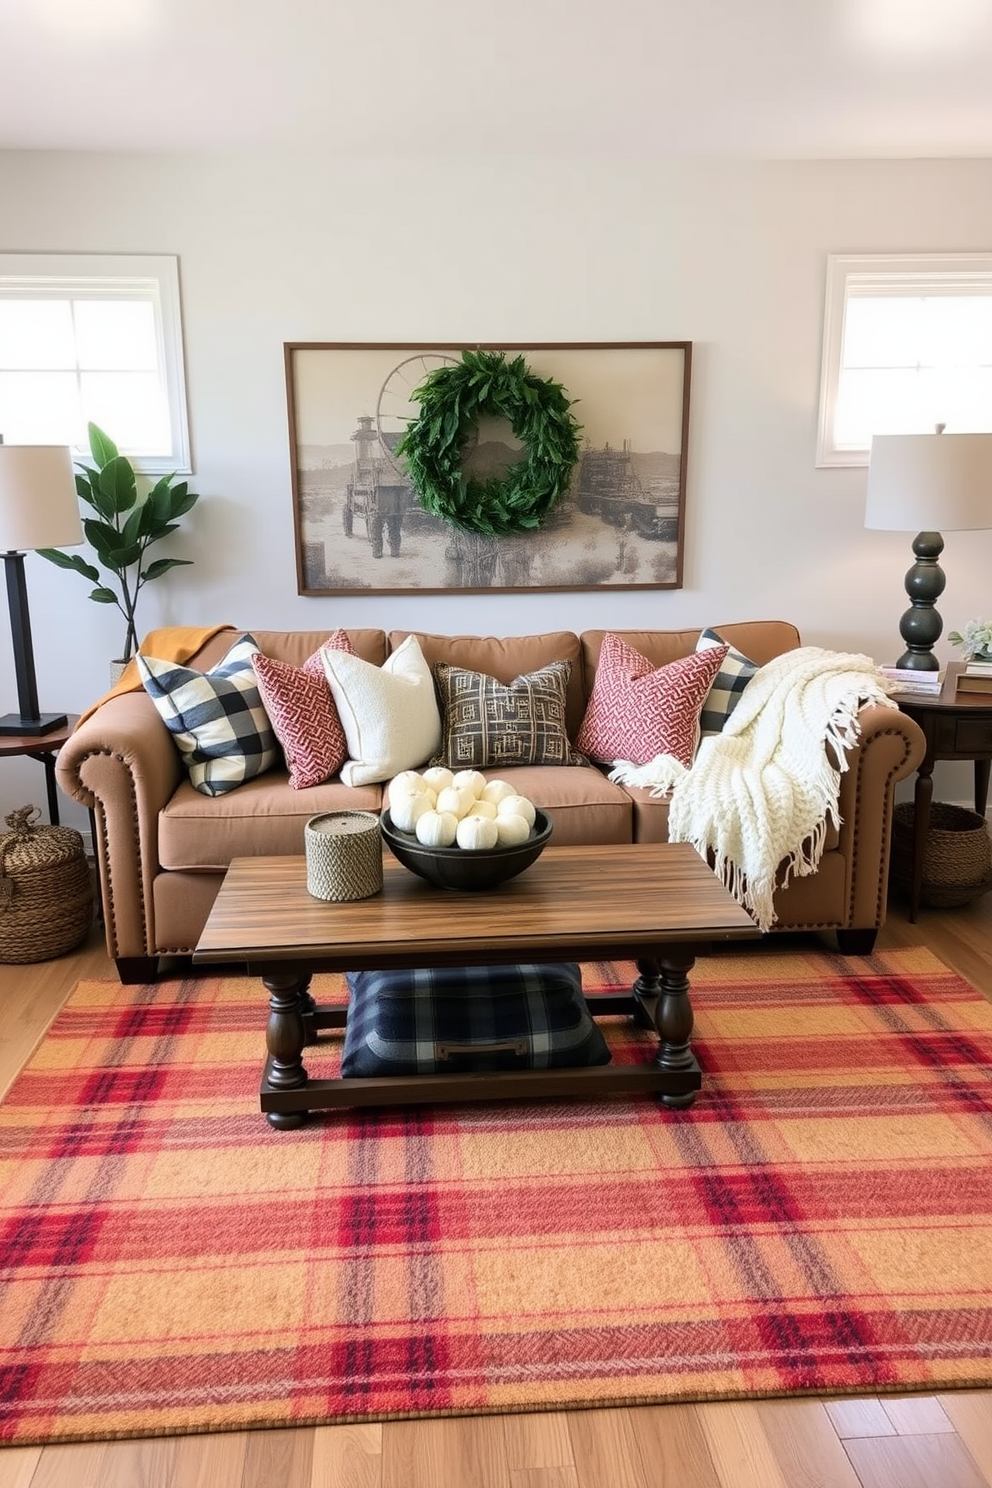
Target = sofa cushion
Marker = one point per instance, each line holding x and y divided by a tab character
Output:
266	817
638	711
216	718
389	714
488	724
727	689
301	710
506	657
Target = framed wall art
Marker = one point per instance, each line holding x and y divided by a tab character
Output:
360	526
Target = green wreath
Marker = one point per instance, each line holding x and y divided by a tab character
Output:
452	399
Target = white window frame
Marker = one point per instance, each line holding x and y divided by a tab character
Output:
119	276
850	275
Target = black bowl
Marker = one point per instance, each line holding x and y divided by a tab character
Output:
461	868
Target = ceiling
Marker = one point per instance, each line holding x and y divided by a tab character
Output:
636	79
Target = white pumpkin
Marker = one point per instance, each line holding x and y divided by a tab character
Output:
472	780
406	811
438	777
437	828
495	790
511	829
476	834
397	789
456	800
406	782
485	809
517	806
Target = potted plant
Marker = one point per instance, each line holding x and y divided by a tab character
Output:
123	529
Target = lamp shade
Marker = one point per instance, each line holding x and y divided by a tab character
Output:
929	482
38	503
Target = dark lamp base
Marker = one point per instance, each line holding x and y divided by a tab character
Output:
918	661
45	723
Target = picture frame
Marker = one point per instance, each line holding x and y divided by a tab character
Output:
359	525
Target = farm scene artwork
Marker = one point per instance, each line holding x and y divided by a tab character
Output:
359	521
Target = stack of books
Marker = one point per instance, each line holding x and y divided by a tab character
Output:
912	679
976	677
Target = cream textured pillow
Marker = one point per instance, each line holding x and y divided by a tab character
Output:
389	714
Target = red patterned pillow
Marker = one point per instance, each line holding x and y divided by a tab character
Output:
303	714
638	711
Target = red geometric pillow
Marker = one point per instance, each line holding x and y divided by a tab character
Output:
303	714
638	711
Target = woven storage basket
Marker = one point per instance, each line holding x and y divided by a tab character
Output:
957	859
344	855
46	892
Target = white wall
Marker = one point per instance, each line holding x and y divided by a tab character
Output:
276	248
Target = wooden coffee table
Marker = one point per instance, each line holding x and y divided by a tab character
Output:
655	903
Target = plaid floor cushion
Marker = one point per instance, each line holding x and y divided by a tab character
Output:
449	1020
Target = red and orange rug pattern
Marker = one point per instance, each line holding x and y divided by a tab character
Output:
820	1221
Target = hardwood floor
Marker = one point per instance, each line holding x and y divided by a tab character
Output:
892	1442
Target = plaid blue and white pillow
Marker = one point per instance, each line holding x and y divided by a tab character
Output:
217	718
729	683
447	1020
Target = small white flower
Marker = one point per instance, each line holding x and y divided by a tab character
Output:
974	637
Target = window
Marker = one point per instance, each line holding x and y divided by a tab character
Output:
907	344
94	338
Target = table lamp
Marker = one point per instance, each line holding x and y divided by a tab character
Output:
928	483
38	509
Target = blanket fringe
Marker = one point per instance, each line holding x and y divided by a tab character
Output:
658	776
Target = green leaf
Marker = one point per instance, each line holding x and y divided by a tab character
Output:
70	560
103	448
103	596
182	500
112	552
162	565
166	531
118	485
131	531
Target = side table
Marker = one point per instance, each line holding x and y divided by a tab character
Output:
957	726
44	748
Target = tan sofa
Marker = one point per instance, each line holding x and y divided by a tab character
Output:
162	848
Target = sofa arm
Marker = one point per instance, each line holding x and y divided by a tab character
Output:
122	764
890	748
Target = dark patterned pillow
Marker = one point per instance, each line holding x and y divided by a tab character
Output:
488	723
217	718
454	1019
736	671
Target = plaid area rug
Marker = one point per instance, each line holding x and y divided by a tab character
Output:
820	1221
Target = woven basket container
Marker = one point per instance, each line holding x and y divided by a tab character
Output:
344	855
957	859
46	892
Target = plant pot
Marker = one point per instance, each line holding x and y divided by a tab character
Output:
116	671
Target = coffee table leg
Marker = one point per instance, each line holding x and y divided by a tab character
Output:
285	1035
307	1007
673	1020
646	990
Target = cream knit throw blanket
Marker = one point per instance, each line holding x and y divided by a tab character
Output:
762	793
